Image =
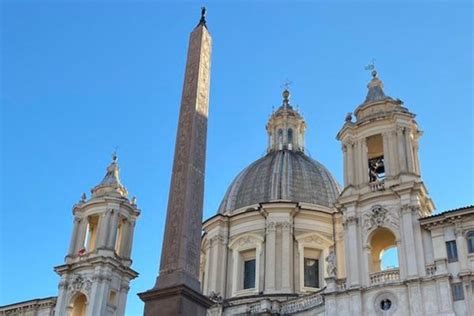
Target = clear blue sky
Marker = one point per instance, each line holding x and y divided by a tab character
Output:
79	78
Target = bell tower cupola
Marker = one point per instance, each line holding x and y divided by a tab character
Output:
286	127
380	146
97	271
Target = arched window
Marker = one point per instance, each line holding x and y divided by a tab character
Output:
470	242
79	305
290	136
280	136
384	252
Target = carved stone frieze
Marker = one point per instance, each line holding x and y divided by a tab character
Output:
313	239
247	240
79	284
379	216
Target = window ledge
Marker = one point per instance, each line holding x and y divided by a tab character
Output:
246	292
310	289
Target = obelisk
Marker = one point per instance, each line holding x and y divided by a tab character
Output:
177	290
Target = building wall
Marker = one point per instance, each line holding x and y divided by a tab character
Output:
36	307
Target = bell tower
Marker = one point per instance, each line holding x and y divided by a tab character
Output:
384	195
96	275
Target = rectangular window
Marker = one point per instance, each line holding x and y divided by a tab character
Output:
470	242
452	251
249	274
376	162
311	272
458	293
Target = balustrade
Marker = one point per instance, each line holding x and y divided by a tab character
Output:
384	276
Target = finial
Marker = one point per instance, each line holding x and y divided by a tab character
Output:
202	21
371	66
286	92
134	200
114	155
83	198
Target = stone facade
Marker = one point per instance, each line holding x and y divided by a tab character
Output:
37	307
384	206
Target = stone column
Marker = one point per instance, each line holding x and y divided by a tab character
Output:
72	245
122	297
177	290
409	151
352	251
61	303
386	154
215	259
287	257
103	230
112	236
98	296
127	253
409	241
364	162
358	162
124	243
445	297
270	258
81	234
221	272
401	149
401	258
416	156
461	244
346	164
415	298
368	266
207	270
393	156
350	163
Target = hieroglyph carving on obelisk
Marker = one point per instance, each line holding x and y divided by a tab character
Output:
181	245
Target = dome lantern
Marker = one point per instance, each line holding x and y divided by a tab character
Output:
286	127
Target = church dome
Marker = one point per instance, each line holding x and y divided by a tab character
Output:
285	174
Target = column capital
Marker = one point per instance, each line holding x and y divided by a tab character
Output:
286	226
351	220
270	227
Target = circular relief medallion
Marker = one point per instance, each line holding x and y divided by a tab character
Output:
385	303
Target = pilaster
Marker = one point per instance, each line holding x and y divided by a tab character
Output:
352	251
461	245
409	241
73	244
287	256
270	257
104	229
386	151
402	163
